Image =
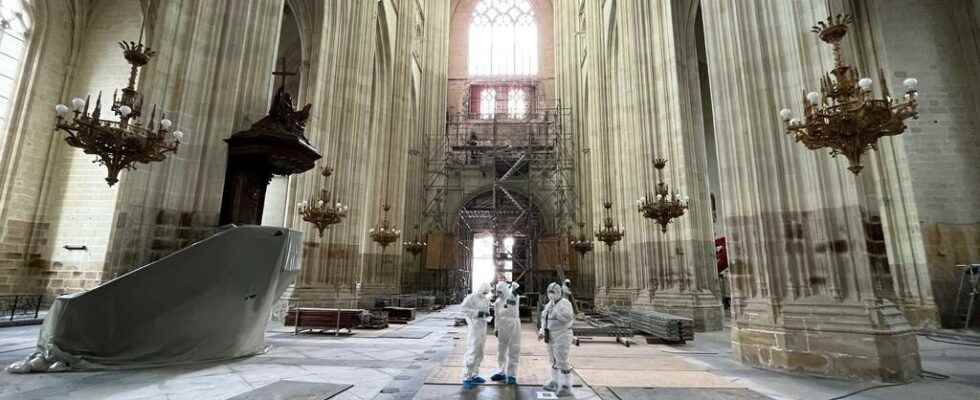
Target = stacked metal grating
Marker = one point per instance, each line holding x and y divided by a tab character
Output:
667	327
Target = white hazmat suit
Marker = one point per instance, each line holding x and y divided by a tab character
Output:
507	321
556	330
476	309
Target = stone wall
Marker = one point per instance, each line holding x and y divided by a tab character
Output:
937	42
80	203
24	226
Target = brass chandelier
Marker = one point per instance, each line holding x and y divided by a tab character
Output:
416	245
581	244
665	205
119	145
321	210
609	234
845	116
384	233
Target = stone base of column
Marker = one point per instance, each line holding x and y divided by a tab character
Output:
701	306
921	316
827	338
615	297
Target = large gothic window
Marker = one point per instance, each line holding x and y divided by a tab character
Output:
503	39
14	26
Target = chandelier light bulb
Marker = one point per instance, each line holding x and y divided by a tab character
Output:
794	122
61	109
125	110
77	103
319	203
911	84
165	123
785	114
813	98
178	135
865	83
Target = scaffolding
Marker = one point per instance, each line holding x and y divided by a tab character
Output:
516	168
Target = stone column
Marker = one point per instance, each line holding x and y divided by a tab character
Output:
803	291
366	99
213	77
634	87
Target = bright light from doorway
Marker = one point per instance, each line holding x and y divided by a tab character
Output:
483	268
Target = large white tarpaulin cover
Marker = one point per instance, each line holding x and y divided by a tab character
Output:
210	301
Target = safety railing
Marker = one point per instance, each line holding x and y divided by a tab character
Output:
20	306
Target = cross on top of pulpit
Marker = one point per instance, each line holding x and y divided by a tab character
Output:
282	71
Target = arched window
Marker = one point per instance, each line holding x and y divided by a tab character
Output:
503	39
517	103
15	23
488	103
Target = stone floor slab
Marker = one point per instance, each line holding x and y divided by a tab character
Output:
293	390
633	393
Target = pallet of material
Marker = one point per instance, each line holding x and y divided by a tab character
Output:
400	315
600	326
666	327
305	319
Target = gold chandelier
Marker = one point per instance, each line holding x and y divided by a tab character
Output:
581	244
321	210
609	234
416	245
666	205
845	116
119	145
384	233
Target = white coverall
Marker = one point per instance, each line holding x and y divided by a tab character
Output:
507	322
476	308
556	328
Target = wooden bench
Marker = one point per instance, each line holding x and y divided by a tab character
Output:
400	315
324	319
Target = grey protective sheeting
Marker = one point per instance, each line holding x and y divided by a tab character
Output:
209	301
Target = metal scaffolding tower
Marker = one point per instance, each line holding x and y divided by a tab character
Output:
510	174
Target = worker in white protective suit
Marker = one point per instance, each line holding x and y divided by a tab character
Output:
556	331
476	309
507	321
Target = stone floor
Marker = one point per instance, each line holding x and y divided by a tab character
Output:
423	365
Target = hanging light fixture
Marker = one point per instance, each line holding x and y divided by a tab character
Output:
609	233
663	205
119	145
321	210
581	244
845	116
416	245
384	233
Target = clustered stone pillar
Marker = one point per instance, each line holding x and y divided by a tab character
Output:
802	284
364	100
212	76
634	95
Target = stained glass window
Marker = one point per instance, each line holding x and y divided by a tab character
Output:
503	39
15	24
488	103
517	103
